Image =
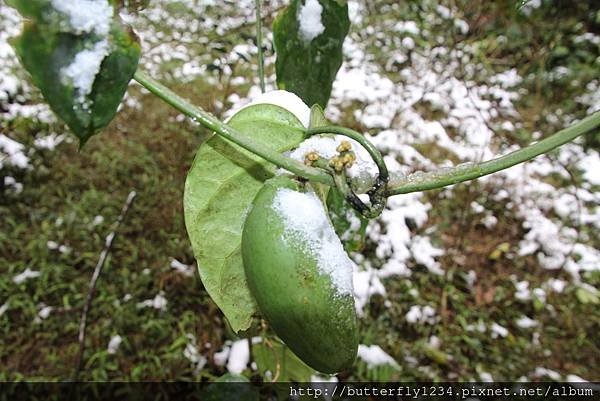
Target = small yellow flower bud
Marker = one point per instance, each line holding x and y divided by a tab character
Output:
344	146
349	158
311	157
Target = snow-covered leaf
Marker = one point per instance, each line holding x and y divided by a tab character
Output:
308	37
81	58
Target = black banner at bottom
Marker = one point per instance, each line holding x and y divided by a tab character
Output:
328	391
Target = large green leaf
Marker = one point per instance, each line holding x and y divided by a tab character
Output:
61	59
276	357
305	65
219	190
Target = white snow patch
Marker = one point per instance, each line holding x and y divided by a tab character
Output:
288	100
306	221
86	16
471	277
528	6
309	18
407	27
374	356
590	165
424	253
525	322
82	71
239	356
480	327
462	26
395	243
192	354
220	358
49	142
114	343
576	379
14	152
498	331
354	226
421	314
362	172
489	221
486	377
27	274
4	308
556	285
159	302
435	342
591	97
11	182
544	372
44	312
98	220
366	283
186	270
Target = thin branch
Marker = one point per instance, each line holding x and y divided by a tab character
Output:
420	181
261	57
415	182
95	276
220	128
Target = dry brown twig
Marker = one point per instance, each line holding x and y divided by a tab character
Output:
95	276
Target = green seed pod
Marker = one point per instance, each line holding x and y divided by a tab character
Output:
300	275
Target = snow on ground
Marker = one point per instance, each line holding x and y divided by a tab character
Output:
374	356
26	275
421	315
473	114
15	97
186	270
235	355
114	344
159	302
192	353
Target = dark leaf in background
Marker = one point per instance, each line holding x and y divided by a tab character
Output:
309	49
82	73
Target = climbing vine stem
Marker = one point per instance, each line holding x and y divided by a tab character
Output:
261	57
220	128
437	179
413	183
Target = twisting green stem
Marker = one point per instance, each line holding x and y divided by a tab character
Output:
377	194
373	151
412	183
261	57
438	179
211	122
368	211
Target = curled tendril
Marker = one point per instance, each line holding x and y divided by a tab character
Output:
377	194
